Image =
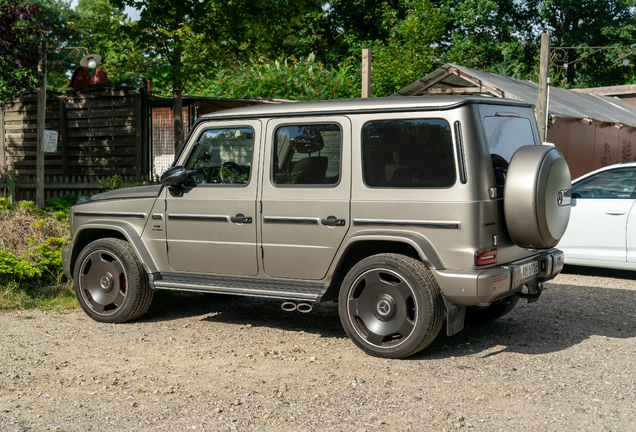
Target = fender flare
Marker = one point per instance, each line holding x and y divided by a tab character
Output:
132	236
417	241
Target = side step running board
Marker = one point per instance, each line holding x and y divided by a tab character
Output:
276	289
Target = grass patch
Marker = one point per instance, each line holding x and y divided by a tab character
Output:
12	297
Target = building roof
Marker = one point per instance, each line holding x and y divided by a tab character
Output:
454	79
621	90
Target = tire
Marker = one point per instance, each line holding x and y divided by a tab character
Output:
391	306
110	283
487	313
536	204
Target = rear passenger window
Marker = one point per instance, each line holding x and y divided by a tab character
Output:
307	154
408	154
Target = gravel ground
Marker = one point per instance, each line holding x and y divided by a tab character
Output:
206	362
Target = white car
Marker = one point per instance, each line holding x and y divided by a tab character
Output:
602	228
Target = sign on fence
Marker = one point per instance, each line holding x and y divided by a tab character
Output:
49	144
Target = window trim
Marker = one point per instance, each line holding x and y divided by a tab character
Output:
455	174
217	185
272	181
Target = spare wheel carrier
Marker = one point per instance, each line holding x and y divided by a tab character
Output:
537	197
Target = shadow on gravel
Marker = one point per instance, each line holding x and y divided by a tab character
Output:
564	316
167	306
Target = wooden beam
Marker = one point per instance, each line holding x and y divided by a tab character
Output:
457	90
63	137
39	190
366	73
428	84
478	83
544	70
3	160
139	141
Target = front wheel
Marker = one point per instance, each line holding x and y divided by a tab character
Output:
110	283
391	306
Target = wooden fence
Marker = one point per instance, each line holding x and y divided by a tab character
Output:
22	187
101	133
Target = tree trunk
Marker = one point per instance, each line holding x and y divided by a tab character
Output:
176	85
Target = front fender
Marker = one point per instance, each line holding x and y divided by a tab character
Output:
128	230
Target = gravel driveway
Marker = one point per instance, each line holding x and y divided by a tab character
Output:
206	362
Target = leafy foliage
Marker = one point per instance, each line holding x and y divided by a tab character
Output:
19	33
291	79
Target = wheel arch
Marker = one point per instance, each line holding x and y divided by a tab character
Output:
371	243
90	232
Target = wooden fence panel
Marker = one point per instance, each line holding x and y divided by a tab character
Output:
98	133
22	187
102	133
19	133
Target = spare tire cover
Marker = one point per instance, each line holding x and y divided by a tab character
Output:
537	197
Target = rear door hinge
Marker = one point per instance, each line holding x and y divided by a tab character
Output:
493	193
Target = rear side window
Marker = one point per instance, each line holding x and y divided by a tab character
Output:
506	134
307	154
408	154
618	183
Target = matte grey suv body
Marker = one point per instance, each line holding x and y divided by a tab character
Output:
406	211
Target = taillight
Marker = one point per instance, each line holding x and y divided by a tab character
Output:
486	257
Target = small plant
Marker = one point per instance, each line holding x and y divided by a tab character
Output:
607	159
111	183
627	151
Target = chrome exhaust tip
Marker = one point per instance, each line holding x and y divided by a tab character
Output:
304	307
289	306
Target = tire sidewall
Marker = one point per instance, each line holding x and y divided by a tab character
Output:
111	246
422	306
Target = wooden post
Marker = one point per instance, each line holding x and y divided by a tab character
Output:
138	129
39	187
544	70
3	156
366	73
64	138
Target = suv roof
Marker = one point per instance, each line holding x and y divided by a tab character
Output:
341	106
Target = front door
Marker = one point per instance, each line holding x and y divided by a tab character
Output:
211	226
305	196
601	206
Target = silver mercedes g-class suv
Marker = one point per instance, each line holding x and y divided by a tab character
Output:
408	212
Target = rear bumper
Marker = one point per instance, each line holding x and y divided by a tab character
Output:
478	287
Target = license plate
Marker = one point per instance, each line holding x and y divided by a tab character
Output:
529	269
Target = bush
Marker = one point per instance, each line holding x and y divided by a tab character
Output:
31	242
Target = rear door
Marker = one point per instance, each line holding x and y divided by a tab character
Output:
306	190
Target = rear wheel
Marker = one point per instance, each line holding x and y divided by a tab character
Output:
492	311
391	306
110	283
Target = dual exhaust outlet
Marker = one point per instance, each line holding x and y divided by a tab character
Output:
290	306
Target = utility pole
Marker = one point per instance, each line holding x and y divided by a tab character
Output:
366	73
544	70
39	176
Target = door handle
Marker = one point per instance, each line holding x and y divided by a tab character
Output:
241	219
333	222
615	213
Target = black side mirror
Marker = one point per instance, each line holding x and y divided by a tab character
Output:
175	177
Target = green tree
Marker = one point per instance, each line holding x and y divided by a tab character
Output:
409	52
105	30
19	33
179	41
578	23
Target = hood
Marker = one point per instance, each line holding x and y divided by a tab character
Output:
127	193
